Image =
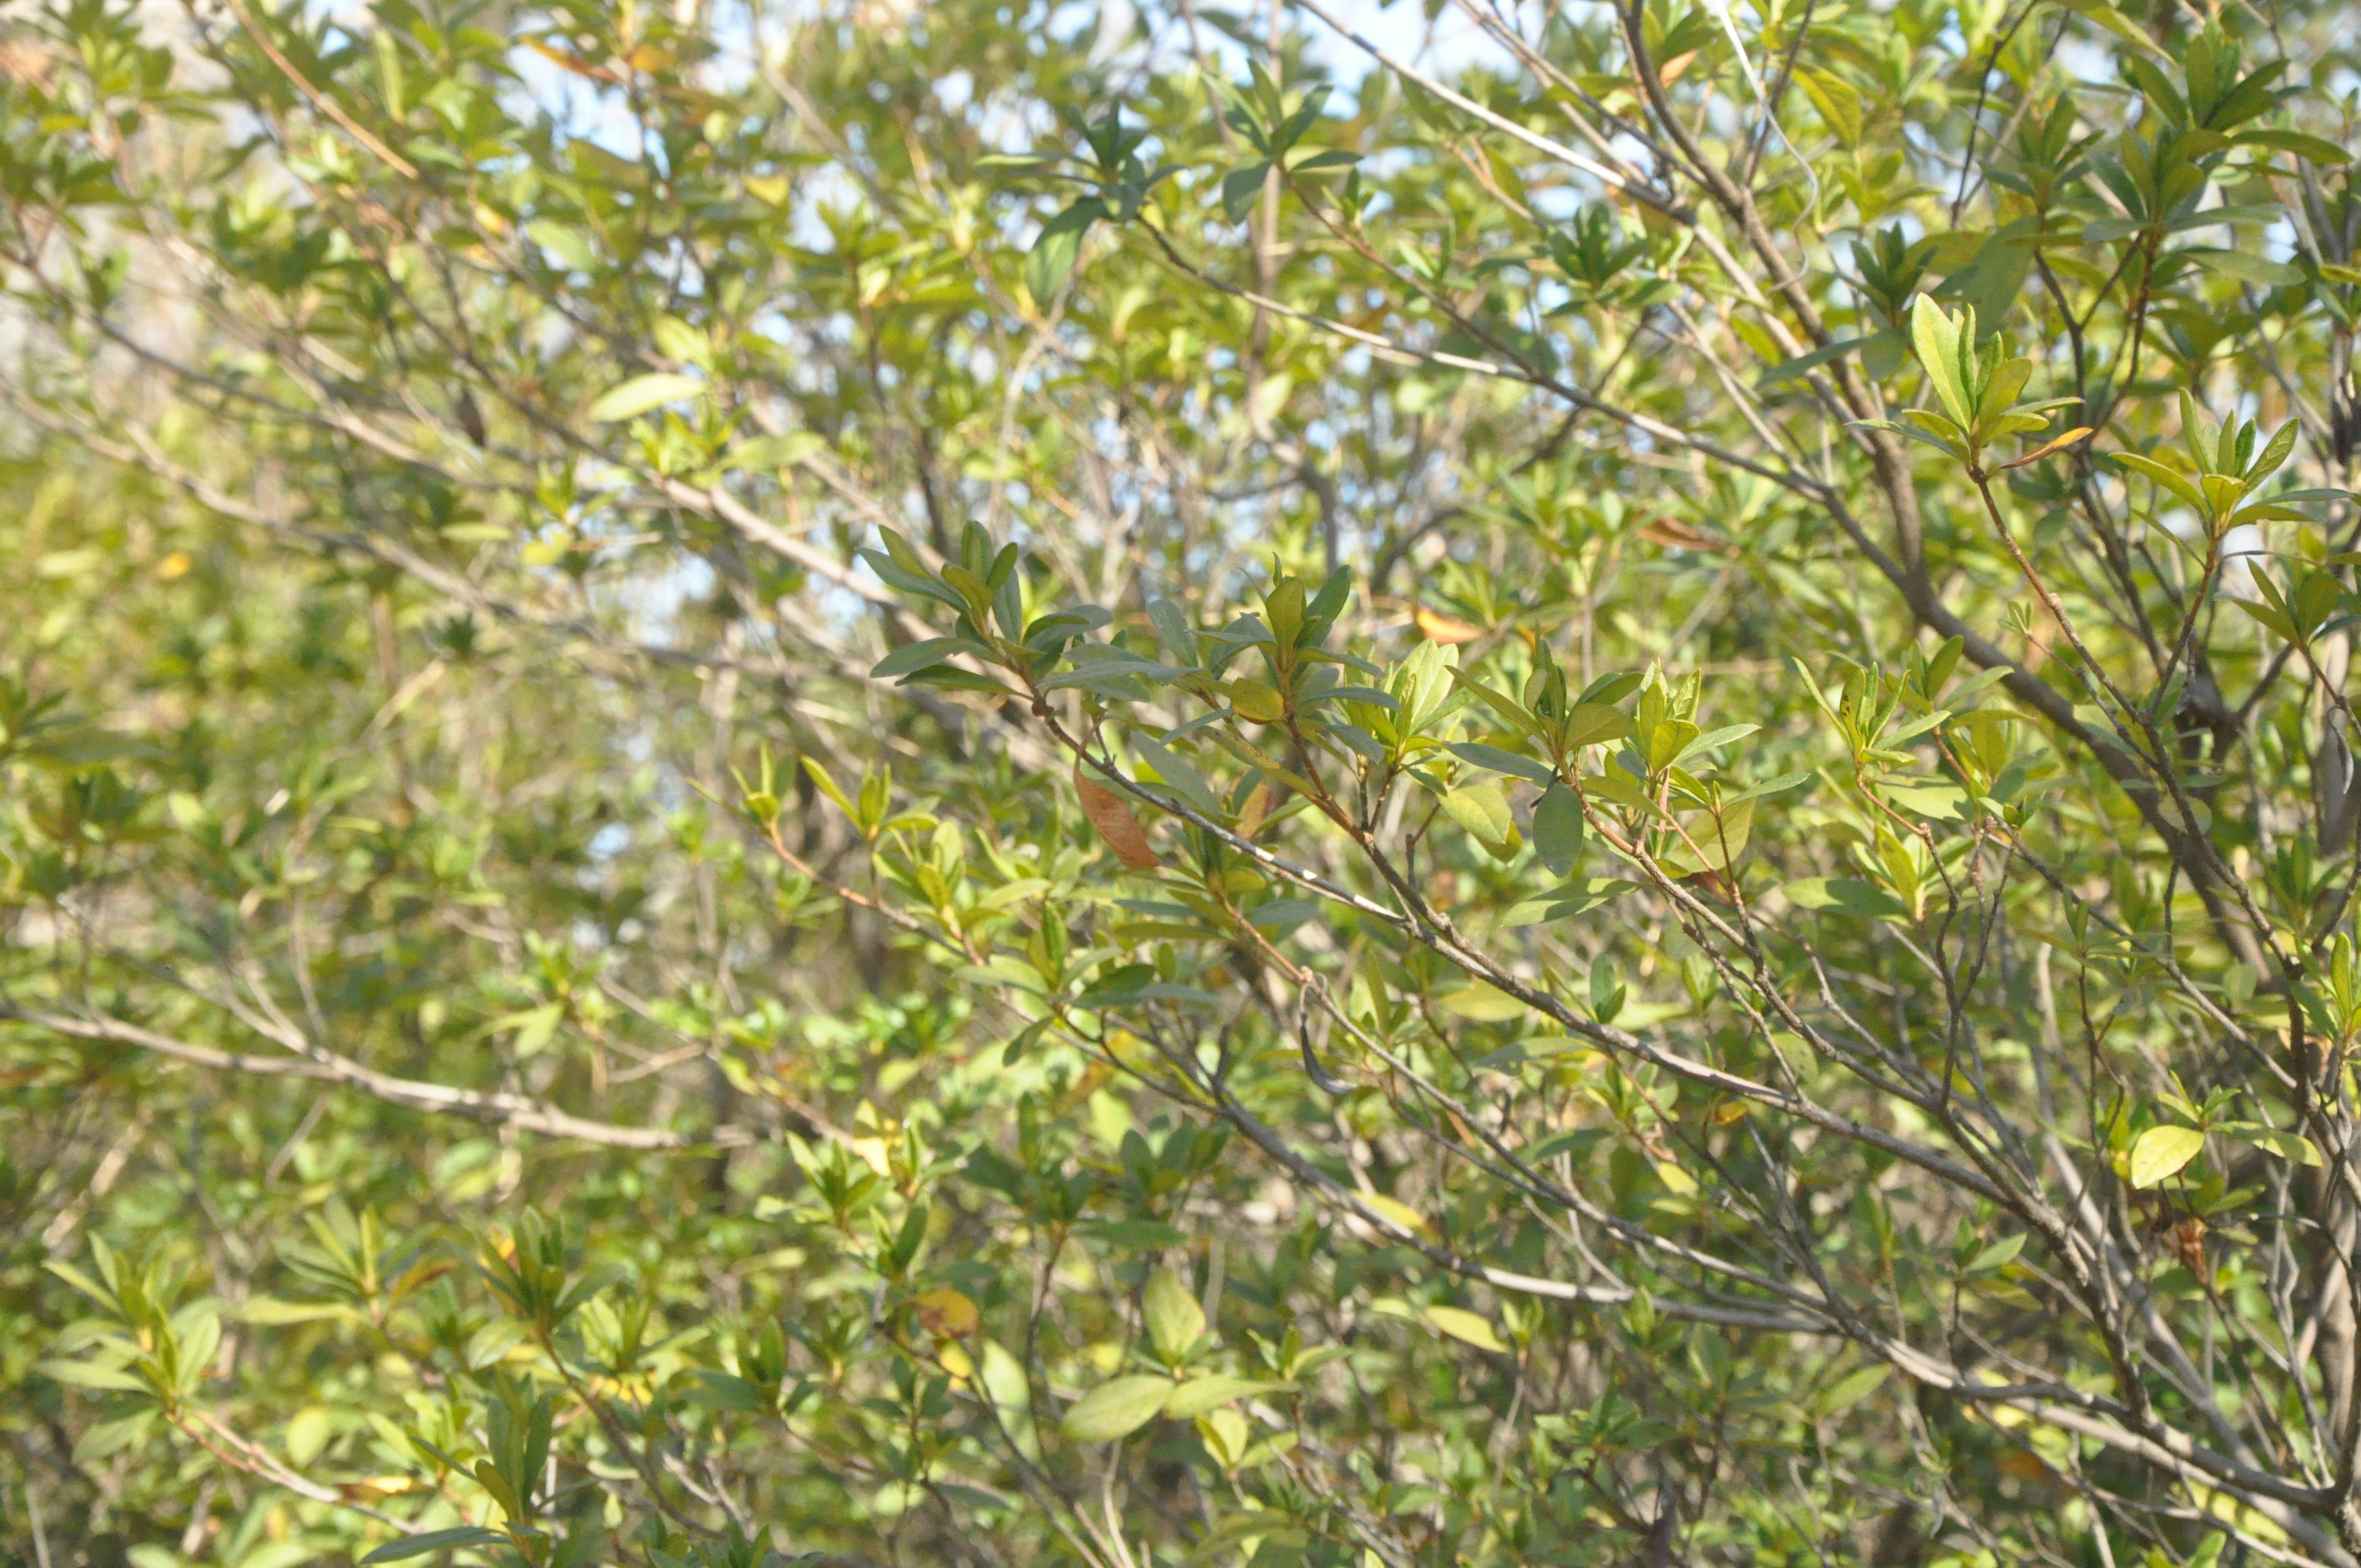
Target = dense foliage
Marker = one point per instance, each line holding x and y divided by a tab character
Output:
977	784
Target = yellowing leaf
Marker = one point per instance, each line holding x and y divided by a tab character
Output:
1837	101
2292	1146
2161	1152
1466	1327
1395	1210
945	1313
1440	629
1934	334
377	1487
2055	443
1258	700
1481	1004
307	1433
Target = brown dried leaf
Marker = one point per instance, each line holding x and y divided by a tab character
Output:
569	61
1111	814
1673	533
2189	1245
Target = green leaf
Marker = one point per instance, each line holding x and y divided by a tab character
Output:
1114	1410
2291	1147
108	1438
920	655
1804	363
1837	101
571	244
2115	22
1241	189
1056	251
90	1374
2173	482
1175	1320
2247	265
1564	902
1942	802
1500	762
1714	740
1852	1389
641	393
1844	895
1483	811
2160	1152
1999	1255
1934	335
1481	1003
419	1545
1198	1394
1595	724
723	1391
775	451
2311	149
1558	829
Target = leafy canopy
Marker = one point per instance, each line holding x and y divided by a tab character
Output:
967	784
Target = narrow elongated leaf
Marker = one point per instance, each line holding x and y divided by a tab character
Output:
419	1545
920	655
1500	762
1934	335
2054	445
2176	484
89	1374
1805	363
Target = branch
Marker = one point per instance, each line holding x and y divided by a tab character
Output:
312	1060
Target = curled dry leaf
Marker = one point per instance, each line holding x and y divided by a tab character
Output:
2189	1247
1111	814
